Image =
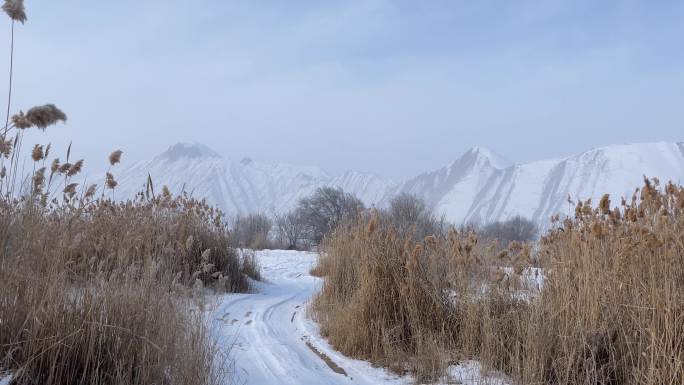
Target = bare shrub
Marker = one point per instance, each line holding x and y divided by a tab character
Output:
251	231
516	229
250	265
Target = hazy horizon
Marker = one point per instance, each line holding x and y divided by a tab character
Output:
389	87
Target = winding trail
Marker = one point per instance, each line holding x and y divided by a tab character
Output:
274	340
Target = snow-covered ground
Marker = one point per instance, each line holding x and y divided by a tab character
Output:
275	342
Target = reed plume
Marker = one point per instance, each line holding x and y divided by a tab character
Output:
115	157
90	192
45	116
64	168
110	182
75	168
70	189
37	153
15	10
604	204
39	179
6	147
20	121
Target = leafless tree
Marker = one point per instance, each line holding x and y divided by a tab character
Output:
291	228
325	209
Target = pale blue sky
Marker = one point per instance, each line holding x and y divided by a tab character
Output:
391	87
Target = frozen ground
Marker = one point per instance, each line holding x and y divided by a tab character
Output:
275	342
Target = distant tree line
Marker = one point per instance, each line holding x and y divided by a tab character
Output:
302	228
315	216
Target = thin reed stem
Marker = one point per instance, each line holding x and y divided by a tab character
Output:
9	93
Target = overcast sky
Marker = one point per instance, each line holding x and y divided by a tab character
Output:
391	87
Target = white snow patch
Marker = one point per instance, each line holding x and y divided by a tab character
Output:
5	378
472	373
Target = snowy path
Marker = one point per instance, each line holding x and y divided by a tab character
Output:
275	342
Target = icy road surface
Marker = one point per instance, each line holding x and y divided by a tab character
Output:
275	342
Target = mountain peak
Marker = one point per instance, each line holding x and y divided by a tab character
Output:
495	160
188	150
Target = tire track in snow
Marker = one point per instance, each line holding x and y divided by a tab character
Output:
275	343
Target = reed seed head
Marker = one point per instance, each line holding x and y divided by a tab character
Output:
5	147
70	189
37	153
15	10
430	241
604	204
45	116
75	168
64	168
39	179
115	157
373	224
90	192
110	182
20	121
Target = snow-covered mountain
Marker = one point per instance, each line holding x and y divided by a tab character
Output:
245	186
478	187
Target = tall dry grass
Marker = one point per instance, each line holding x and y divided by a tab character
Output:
610	310
100	292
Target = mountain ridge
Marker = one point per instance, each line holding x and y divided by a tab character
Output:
480	186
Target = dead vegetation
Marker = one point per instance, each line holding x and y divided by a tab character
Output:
610	310
99	292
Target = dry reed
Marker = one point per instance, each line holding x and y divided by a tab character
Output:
98	292
610	310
